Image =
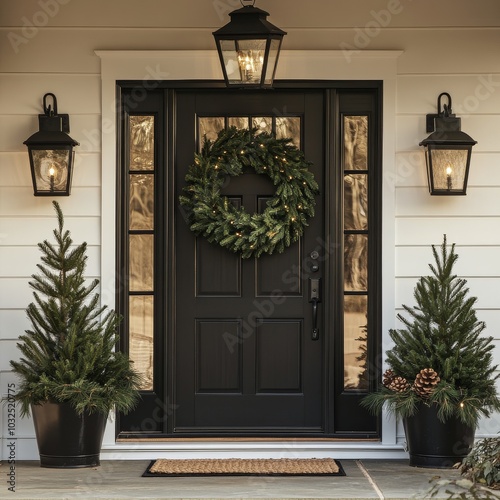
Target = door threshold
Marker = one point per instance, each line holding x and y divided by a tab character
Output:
135	439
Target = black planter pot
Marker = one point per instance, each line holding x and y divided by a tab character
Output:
432	443
65	439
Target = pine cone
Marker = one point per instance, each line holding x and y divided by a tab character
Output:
399	384
388	377
425	382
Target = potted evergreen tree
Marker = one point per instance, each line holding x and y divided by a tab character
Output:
71	375
441	378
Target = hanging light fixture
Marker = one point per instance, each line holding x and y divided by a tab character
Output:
249	48
51	152
447	152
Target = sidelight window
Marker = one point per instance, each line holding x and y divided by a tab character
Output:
356	238
141	235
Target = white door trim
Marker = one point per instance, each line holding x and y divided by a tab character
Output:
154	66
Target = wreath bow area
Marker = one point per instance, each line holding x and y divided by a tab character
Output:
211	214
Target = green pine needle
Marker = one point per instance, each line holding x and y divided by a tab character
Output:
69	354
283	220
442	332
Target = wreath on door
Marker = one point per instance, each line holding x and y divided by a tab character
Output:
213	216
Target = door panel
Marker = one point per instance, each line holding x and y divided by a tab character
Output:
245	360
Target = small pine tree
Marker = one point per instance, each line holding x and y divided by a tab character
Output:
441	332
68	355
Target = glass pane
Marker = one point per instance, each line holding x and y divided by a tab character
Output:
240	122
230	56
141	201
355	262
141	130
289	127
448	166
271	61
141	338
209	127
356	201
262	124
355	142
51	169
355	342
141	262
250	58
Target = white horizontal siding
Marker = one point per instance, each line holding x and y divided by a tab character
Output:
426	51
16	231
473	261
418	230
314	13
29	89
470	93
416	202
13	322
20	202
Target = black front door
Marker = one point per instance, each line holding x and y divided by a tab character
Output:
225	344
244	354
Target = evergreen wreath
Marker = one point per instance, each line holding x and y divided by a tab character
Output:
211	214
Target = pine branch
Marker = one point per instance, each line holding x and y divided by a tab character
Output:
69	353
442	332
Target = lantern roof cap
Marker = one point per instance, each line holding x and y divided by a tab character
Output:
248	21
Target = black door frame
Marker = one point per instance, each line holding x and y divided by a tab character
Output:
159	402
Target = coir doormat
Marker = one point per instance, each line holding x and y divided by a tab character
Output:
243	467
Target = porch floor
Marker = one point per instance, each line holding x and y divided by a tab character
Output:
121	479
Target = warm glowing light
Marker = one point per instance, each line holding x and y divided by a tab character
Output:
52	171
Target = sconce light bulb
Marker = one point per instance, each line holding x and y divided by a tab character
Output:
52	171
448	170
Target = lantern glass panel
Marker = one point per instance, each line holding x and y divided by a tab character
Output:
243	60
274	49
51	169
449	168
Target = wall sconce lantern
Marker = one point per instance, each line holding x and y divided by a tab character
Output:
249	48
51	152
447	152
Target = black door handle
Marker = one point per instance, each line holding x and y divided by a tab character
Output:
315	329
315	299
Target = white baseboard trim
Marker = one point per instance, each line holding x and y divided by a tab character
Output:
242	449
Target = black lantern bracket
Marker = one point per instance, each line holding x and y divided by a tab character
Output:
443	111
51	119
